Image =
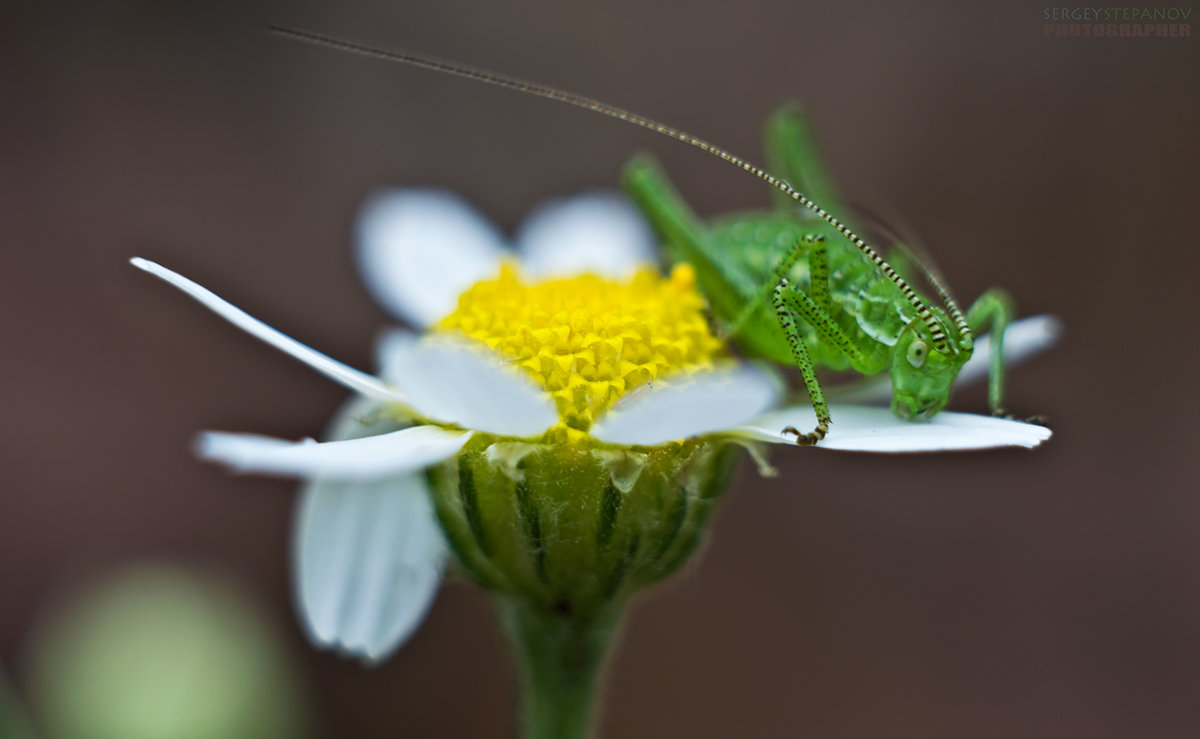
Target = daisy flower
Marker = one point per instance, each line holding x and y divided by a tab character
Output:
563	423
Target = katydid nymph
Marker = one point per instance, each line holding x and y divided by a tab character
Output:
796	285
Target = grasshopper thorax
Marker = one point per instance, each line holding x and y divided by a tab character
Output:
922	373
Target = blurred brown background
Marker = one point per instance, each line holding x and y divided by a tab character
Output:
1000	594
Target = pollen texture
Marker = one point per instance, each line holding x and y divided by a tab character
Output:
590	340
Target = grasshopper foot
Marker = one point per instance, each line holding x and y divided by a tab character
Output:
807	439
1037	419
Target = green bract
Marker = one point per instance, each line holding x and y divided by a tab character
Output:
575	529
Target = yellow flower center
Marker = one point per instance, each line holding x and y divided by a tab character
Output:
587	339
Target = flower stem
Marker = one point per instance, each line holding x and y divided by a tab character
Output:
560	657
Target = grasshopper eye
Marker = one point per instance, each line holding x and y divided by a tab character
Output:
917	352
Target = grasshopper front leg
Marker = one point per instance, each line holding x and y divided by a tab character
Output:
789	304
994	310
804	363
818	265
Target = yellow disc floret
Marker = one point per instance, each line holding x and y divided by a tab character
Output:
588	339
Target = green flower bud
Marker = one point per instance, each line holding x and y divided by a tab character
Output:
574	528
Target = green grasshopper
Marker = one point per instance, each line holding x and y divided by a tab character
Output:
796	285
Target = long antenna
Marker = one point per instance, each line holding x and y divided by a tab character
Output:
937	336
920	256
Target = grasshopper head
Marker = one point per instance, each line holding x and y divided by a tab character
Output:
922	373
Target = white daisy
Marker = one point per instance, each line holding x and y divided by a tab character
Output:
369	552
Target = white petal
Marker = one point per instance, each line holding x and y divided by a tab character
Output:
701	404
453	382
597	232
1022	339
370	560
875	429
368	555
419	249
335	370
394	453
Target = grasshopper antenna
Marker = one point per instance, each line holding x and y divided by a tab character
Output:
936	334
915	252
919	256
